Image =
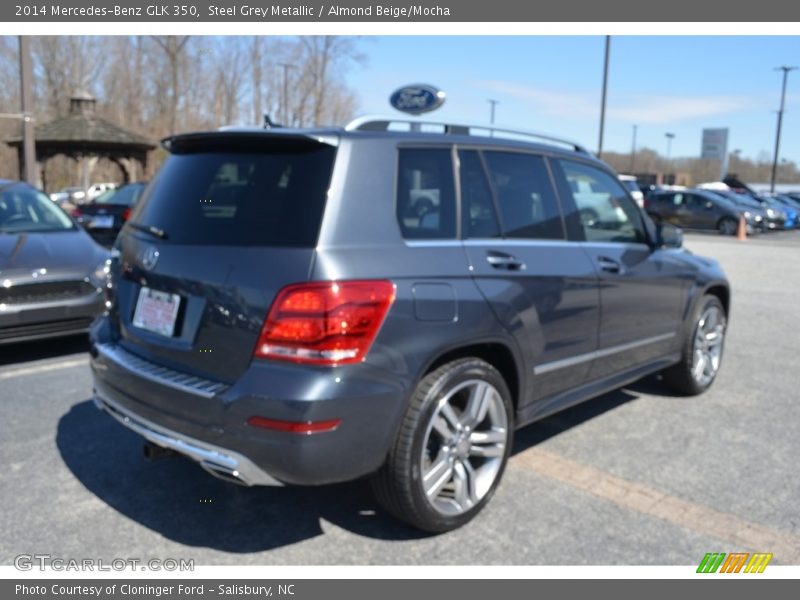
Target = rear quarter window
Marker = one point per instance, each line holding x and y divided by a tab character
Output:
426	194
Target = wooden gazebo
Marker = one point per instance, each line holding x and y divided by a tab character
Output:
86	137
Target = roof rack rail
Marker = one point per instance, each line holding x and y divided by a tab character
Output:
383	123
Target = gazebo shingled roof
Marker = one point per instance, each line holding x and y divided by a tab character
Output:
83	134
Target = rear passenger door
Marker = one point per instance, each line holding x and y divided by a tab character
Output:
703	212
642	290
541	287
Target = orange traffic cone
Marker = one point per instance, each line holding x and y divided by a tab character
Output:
741	231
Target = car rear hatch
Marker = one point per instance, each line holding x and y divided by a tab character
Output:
230	219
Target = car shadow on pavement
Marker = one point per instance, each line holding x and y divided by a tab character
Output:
180	501
43	349
560	422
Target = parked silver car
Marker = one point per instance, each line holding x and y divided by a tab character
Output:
52	274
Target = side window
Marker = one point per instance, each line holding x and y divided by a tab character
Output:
426	195
606	212
525	196
480	219
696	201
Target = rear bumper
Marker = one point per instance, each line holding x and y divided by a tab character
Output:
218	461
27	322
206	421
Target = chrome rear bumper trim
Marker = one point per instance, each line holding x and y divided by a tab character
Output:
220	462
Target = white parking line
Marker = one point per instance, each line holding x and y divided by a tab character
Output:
649	501
65	364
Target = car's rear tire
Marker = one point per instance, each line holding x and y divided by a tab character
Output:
451	449
727	226
701	354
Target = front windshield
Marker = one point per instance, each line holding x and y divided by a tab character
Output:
25	209
741	199
721	200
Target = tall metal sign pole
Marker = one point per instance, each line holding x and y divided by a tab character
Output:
785	70
28	143
603	99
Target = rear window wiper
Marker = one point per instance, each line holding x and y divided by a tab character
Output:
151	229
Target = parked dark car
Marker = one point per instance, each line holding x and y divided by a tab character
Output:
104	216
280	314
793	203
52	275
698	209
772	218
785	216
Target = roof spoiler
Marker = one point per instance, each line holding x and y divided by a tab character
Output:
249	138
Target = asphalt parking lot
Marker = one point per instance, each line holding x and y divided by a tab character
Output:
635	477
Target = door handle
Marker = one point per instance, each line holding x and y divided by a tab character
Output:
501	260
609	265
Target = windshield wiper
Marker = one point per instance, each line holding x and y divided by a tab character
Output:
151	229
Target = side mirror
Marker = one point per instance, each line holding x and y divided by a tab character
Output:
668	236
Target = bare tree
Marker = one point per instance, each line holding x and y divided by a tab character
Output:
160	85
173	47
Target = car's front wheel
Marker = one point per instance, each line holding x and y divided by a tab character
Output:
702	349
451	449
727	226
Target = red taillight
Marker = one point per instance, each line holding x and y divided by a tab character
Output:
126	214
76	212
299	427
325	323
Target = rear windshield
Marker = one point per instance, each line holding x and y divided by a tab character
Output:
240	196
126	195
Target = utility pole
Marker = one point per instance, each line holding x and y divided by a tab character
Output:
670	137
785	70
28	143
285	99
493	104
633	149
603	99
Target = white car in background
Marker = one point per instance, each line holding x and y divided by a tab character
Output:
99	188
72	195
632	184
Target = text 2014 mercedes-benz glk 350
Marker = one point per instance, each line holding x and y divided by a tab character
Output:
315	306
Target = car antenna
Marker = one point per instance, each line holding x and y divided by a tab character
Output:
269	123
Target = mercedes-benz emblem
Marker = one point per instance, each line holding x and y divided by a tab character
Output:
150	257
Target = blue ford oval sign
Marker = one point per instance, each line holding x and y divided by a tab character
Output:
417	99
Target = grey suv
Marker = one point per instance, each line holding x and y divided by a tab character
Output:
282	309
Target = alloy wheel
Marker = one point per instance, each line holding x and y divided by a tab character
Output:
464	447
707	349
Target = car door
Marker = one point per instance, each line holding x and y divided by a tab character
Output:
542	287
643	289
683	212
704	214
668	207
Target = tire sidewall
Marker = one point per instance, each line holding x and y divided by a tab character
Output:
471	369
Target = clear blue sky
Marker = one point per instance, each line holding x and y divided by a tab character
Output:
552	84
